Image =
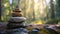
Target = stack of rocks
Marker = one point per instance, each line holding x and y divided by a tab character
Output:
16	24
17	20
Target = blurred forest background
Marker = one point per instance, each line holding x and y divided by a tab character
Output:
36	11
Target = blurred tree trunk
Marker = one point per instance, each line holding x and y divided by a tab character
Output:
0	9
52	9
33	10
46	9
58	8
18	3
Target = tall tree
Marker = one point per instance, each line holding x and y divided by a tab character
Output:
52	9
33	10
58	8
0	9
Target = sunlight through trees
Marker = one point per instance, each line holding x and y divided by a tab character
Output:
33	10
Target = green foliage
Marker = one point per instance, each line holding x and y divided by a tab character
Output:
1	21
53	21
43	31
7	9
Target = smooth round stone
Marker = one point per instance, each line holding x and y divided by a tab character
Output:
17	19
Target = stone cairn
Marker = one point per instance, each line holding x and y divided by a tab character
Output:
17	20
16	24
